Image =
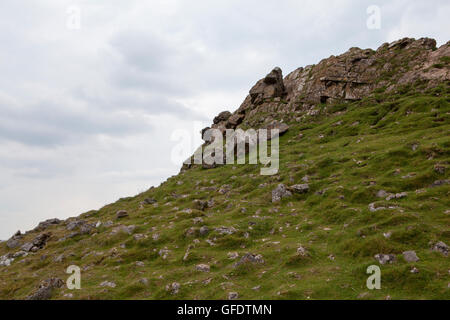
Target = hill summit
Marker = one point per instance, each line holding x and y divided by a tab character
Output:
362	183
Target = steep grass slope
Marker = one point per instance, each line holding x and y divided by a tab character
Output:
191	237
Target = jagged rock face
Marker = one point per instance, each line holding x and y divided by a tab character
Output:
352	76
347	77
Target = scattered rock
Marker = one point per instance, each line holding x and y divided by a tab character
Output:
225	230
414	270
441	247
438	183
202	267
387	235
280	192
233	255
299	188
139	236
6	260
250	258
372	207
108	284
382	194
233	295
149	201
385	258
302	251
20	254
200	205
410	256
396	196
225	189
164	253
173	288
121	214
197	220
59	258
122	228
439	168
204	230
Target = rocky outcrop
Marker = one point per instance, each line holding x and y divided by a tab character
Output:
271	86
348	77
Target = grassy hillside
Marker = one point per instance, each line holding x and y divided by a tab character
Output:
396	142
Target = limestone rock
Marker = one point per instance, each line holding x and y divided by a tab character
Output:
410	256
299	188
121	214
441	247
280	192
385	258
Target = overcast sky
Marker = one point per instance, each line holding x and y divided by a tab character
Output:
87	110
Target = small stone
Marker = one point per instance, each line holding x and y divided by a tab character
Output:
59	258
441	247
410	256
233	255
233	295
280	192
299	188
439	169
385	258
414	270
202	267
173	288
302	251
121	214
225	230
27	247
198	220
204	230
108	284
200	205
382	194
250	258
387	235
140	264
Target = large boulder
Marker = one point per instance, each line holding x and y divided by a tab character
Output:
271	86
223	116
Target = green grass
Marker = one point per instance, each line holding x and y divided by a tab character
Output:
371	149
